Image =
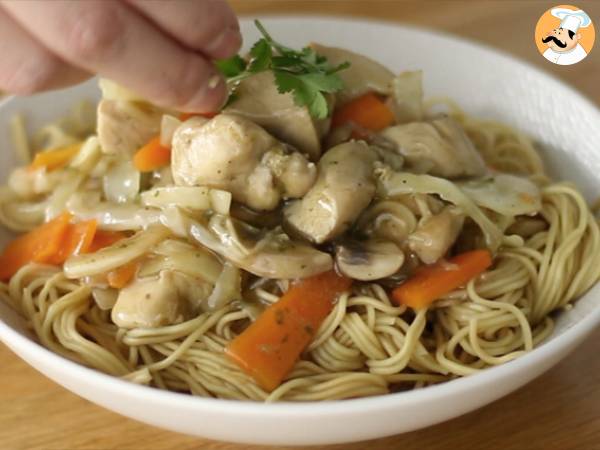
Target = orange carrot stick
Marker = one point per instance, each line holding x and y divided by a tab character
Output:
39	245
432	282
77	240
104	238
55	158
121	276
152	156
367	111
268	349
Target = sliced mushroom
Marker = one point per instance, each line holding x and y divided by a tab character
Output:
367	261
344	188
154	302
364	74
257	98
526	227
439	147
232	153
435	235
269	254
124	126
389	220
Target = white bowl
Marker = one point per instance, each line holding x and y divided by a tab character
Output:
485	82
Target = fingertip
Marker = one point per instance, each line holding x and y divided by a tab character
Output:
210	97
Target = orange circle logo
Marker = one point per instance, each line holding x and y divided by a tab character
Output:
565	35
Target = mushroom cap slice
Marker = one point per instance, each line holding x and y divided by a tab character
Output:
367	261
364	75
256	98
269	254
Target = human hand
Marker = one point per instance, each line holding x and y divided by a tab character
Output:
159	49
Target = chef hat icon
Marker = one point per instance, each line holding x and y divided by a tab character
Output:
570	19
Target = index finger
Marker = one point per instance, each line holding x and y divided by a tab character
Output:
111	39
209	26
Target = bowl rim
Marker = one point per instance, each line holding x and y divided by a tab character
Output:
16	341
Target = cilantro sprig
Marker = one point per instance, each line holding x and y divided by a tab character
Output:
305	74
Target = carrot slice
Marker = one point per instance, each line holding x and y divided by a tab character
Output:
121	276
152	156
185	116
39	245
432	282
367	111
104	238
268	349
55	158
77	240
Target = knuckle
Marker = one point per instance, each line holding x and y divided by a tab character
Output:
29	75
95	34
203	24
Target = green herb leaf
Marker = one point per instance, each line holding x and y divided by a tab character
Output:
231	67
305	74
322	82
261	54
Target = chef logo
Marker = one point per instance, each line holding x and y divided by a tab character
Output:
564	35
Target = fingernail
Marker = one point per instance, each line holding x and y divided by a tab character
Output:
210	97
225	44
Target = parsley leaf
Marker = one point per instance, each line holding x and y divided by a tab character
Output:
231	67
261	54
305	74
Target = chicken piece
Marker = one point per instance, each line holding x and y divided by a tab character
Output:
154	302
232	153
435	235
257	99
345	186
364	74
124	126
439	147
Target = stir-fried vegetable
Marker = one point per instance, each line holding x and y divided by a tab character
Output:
192	197
40	245
407	91
117	255
269	348
400	183
432	282
509	195
121	182
367	111
152	156
104	238
121	276
55	158
78	240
